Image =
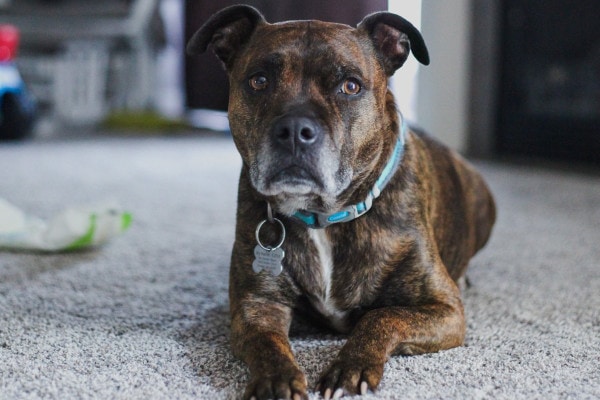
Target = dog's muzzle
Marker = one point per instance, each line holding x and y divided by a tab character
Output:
296	142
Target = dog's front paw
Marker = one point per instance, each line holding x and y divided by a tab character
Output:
349	377
282	385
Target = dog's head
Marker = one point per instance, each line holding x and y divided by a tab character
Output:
309	105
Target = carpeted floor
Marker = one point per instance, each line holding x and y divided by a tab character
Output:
146	316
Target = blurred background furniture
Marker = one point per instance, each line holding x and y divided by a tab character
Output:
85	58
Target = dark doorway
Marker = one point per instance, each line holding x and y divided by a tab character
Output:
550	79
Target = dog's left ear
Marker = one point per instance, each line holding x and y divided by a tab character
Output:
226	31
394	37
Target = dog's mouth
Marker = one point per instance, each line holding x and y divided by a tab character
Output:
293	174
300	181
294	179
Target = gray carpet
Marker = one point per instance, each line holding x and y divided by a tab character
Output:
145	317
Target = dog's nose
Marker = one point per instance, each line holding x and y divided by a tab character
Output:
295	133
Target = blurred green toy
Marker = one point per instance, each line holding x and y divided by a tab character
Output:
72	229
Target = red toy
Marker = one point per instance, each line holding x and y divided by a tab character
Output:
17	108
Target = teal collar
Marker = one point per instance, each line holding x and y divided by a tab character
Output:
319	220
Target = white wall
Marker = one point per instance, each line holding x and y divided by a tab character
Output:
442	87
169	97
404	81
434	97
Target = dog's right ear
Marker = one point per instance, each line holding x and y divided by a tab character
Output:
226	31
394	38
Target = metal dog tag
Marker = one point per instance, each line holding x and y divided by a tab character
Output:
268	259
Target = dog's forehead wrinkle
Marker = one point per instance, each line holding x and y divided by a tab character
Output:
308	38
270	61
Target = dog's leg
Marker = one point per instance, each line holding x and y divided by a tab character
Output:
260	338
391	330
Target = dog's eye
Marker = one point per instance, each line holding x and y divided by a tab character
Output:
350	87
258	82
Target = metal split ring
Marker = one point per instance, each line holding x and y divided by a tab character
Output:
257	234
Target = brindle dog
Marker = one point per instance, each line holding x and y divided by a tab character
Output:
377	222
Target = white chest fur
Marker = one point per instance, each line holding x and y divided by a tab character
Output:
326	304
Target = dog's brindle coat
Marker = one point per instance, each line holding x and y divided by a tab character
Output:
313	119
